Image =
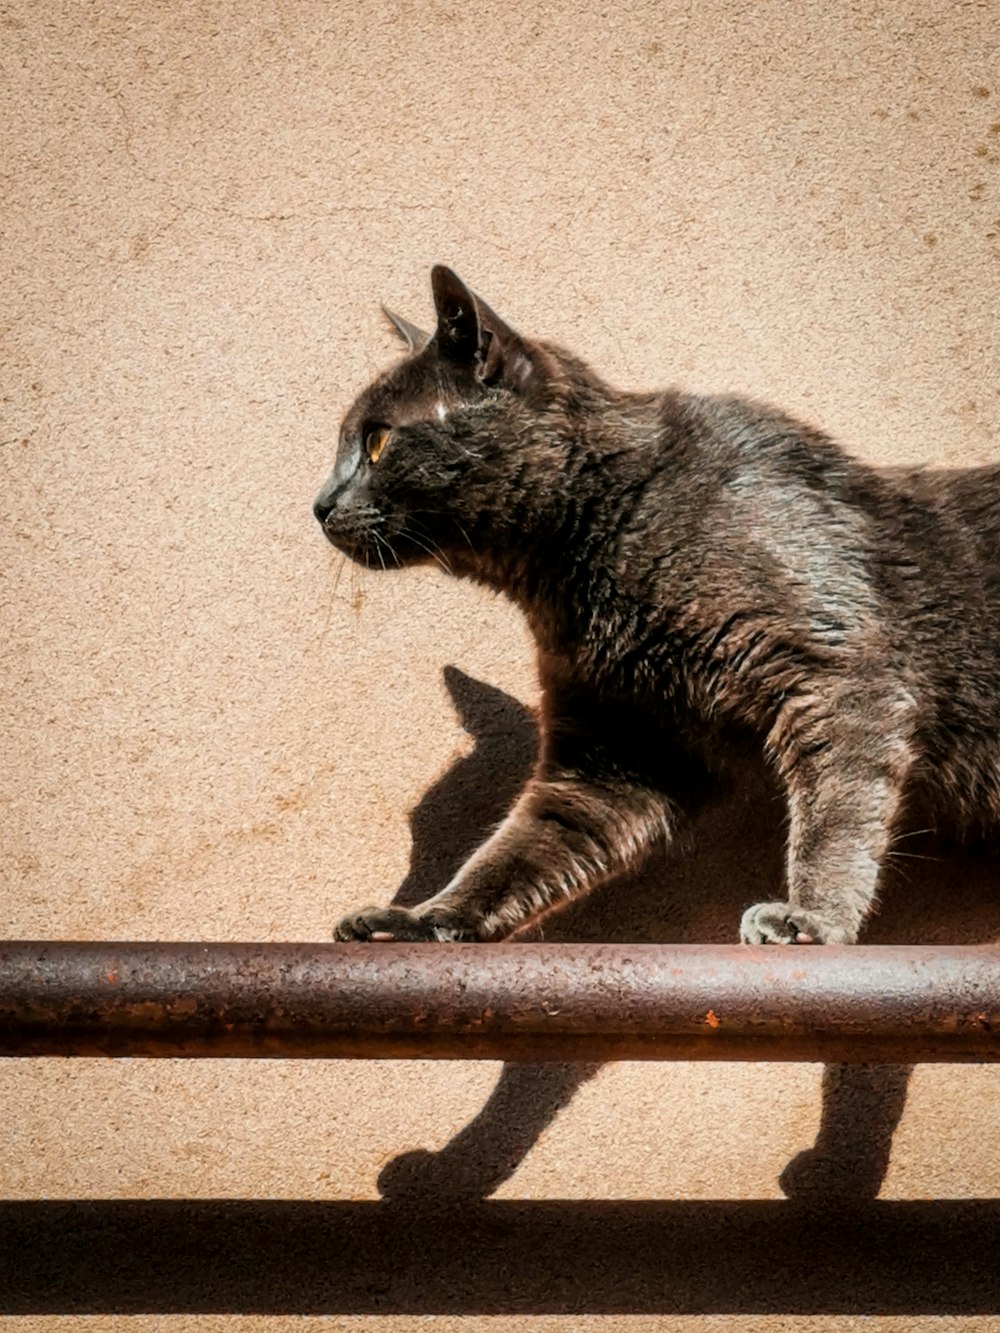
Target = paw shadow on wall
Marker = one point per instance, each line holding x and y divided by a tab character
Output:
730	857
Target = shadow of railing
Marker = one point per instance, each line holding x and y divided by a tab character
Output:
555	1257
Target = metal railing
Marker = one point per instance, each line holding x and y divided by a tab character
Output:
519	1002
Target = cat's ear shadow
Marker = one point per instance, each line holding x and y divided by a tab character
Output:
459	810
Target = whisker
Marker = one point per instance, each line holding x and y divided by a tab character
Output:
358	588
392	551
338	576
912	833
436	554
378	549
330	601
466	536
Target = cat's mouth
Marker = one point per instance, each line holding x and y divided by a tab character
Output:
334	538
367	549
360	541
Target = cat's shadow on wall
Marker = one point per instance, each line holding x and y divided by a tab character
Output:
731	858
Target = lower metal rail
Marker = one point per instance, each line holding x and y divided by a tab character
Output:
520	1002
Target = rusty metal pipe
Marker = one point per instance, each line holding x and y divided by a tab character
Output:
522	1002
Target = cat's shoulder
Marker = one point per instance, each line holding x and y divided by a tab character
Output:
746	439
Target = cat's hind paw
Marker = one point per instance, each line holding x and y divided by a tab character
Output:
780	923
384	925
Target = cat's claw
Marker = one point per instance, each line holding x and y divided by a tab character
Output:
384	925
780	923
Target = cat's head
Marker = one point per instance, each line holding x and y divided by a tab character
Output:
446	440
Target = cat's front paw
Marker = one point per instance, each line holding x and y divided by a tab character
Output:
384	925
780	923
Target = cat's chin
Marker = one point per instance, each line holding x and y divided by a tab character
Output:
379	560
383	556
359	551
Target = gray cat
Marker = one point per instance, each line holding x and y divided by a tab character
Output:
700	574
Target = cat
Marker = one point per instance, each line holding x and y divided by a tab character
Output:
700	574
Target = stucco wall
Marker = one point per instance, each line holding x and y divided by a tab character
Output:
212	730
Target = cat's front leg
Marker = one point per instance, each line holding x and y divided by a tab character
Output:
565	835
843	800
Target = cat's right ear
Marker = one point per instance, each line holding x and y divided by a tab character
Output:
416	339
470	332
459	331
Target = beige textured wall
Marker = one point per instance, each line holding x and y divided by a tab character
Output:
211	731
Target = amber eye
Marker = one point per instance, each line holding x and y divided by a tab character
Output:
376	438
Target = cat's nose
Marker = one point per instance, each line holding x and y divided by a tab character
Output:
326	502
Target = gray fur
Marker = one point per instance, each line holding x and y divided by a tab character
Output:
700	574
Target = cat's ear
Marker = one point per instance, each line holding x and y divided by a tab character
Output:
416	339
469	331
459	332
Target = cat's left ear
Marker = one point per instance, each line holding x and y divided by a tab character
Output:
416	339
469	331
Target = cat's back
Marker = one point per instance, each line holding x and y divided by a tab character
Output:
748	513
965	505
741	500
724	449
745	478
